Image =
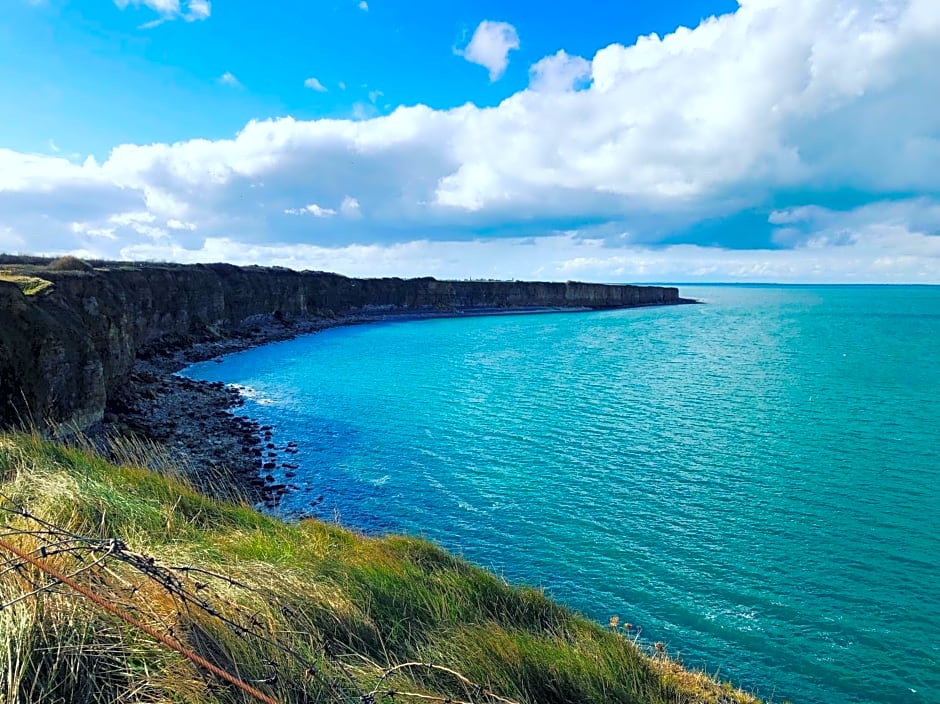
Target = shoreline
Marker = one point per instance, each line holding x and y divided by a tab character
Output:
227	454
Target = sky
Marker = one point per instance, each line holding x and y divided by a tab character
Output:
793	141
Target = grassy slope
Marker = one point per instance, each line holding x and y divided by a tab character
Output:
351	606
29	285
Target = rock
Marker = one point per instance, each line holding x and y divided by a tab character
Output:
60	362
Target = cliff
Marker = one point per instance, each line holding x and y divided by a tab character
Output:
65	347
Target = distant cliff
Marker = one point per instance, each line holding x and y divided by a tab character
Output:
64	347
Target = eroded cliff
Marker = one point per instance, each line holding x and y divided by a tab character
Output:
65	348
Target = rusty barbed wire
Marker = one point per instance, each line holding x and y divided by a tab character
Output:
94	555
124	616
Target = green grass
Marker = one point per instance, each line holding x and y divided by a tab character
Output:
347	606
29	285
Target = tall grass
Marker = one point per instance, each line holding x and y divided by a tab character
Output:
336	610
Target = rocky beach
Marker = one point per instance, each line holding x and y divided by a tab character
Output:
198	423
94	347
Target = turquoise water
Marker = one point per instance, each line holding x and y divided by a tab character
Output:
755	482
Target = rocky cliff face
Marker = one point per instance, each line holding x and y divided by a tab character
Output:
63	351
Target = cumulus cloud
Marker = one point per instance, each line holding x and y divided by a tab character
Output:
777	110
189	10
314	84
560	72
490	46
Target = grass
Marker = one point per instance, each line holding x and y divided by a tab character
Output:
343	608
29	285
69	263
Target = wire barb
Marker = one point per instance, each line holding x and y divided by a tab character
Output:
94	558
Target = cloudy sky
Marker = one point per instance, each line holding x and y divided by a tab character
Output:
682	141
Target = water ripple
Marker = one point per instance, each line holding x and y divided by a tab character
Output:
754	482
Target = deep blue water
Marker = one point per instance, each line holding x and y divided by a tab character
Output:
755	481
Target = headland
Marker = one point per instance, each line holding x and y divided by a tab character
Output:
93	346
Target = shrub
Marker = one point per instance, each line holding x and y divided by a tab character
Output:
69	263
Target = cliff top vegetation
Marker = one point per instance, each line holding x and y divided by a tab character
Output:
29	285
299	612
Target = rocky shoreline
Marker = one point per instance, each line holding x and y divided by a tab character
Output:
197	424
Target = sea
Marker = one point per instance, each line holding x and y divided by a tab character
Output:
754	481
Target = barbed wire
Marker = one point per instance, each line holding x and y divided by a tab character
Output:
94	557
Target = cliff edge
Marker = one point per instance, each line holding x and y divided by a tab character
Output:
69	335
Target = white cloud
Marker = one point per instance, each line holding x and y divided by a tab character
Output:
140	222
375	95
350	207
560	72
490	46
228	79
30	173
53	146
164	7
81	228
364	6
312	209
135	218
198	10
879	255
784	102
314	84
190	10
342	85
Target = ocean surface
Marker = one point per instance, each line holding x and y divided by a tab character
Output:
754	482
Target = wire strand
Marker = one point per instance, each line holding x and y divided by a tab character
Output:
124	616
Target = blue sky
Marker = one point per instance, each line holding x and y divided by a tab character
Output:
771	140
93	75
